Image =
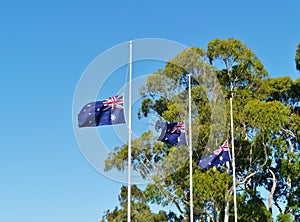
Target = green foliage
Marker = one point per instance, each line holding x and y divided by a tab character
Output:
285	218
141	212
267	134
295	92
241	66
210	191
185	62
267	116
252	209
283	89
280	88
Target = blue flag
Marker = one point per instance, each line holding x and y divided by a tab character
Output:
105	112
173	133
219	156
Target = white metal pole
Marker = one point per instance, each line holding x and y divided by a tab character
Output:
226	211
129	134
233	161
191	152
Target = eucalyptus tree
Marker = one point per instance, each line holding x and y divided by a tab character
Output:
266	126
165	97
286	157
266	129
242	76
141	212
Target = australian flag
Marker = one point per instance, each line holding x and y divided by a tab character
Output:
219	156
105	112
173	133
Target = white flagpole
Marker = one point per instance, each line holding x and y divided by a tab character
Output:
191	152
129	135
233	161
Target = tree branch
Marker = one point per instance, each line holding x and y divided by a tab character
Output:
266	155
247	177
178	207
209	215
277	205
289	133
272	191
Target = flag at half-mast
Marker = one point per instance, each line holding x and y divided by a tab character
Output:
173	133
106	112
219	156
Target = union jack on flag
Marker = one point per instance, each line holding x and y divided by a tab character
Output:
179	128
106	112
173	133
114	102
223	147
219	156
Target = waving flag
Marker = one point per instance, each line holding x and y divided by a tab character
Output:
105	112
219	156
173	133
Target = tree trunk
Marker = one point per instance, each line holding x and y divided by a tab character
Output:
272	191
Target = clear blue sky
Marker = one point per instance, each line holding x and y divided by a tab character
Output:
44	48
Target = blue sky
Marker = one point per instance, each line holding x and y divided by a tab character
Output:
45	48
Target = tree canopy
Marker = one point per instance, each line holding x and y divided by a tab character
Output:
266	138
